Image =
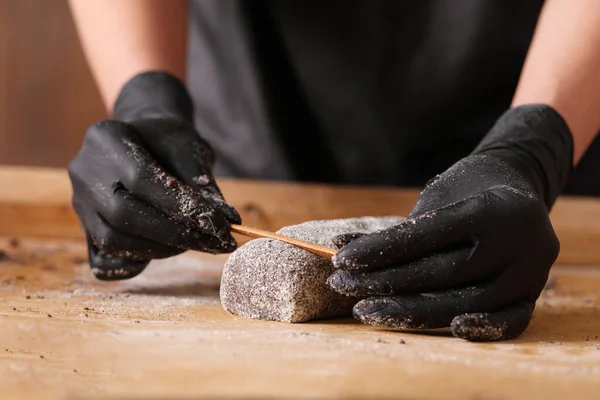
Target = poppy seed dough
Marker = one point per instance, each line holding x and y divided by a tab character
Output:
272	280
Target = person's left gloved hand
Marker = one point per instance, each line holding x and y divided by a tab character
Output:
475	252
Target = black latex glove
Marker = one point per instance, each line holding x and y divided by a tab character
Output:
143	186
475	252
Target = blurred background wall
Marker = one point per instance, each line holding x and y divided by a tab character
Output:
47	95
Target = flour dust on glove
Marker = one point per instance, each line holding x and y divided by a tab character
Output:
143	186
475	252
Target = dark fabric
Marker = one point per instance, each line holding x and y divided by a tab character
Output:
378	92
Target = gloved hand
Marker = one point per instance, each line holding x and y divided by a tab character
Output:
143	186
475	252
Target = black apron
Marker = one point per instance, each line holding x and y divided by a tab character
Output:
378	92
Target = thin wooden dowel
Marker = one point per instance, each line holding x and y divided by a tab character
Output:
259	233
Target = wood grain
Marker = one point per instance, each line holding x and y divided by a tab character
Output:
36	202
164	335
48	98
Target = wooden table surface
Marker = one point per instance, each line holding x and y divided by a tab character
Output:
163	334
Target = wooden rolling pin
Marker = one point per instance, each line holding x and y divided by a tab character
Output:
259	233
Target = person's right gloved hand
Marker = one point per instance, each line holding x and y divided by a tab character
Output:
143	186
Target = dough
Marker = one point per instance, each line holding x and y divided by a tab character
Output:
271	280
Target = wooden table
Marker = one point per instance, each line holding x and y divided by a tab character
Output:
163	334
